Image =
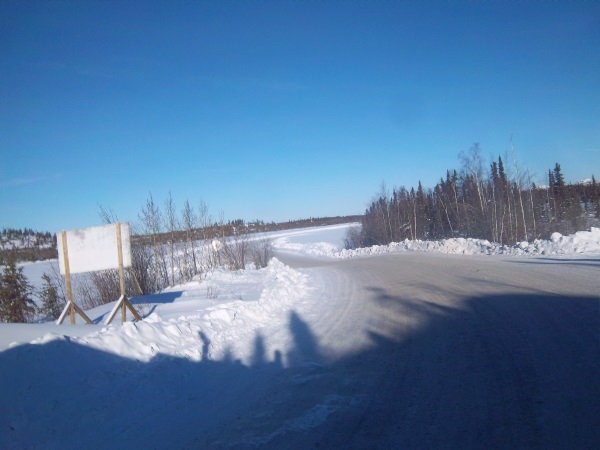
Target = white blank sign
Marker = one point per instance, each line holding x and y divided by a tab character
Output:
95	248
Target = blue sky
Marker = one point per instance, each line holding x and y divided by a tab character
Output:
281	110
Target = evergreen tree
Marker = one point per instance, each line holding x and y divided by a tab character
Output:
52	302
501	171
16	304
559	182
495	176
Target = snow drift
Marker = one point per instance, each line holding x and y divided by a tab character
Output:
580	243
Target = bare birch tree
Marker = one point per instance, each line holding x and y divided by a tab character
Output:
519	189
172	226
190	223
152	223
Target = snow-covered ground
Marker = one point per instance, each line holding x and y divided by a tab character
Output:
251	318
228	307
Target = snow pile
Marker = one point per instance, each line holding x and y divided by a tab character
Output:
144	340
194	327
231	329
582	242
457	246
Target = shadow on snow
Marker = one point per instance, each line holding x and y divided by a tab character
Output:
503	371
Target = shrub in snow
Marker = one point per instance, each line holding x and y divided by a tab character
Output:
262	252
234	251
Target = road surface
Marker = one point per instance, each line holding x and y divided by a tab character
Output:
432	351
404	351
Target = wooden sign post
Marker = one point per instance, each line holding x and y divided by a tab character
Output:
123	302
71	308
90	250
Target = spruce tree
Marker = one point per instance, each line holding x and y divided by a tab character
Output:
501	171
495	176
16	304
559	182
52	302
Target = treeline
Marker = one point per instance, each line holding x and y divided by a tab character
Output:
237	226
317	222
488	201
26	245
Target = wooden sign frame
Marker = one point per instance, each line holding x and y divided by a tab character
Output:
123	303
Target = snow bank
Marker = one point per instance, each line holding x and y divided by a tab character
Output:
221	329
580	243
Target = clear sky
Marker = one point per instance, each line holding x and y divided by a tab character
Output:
281	110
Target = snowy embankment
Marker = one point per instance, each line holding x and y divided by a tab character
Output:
581	243
218	317
224	329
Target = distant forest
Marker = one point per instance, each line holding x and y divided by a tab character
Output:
26	245
495	201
